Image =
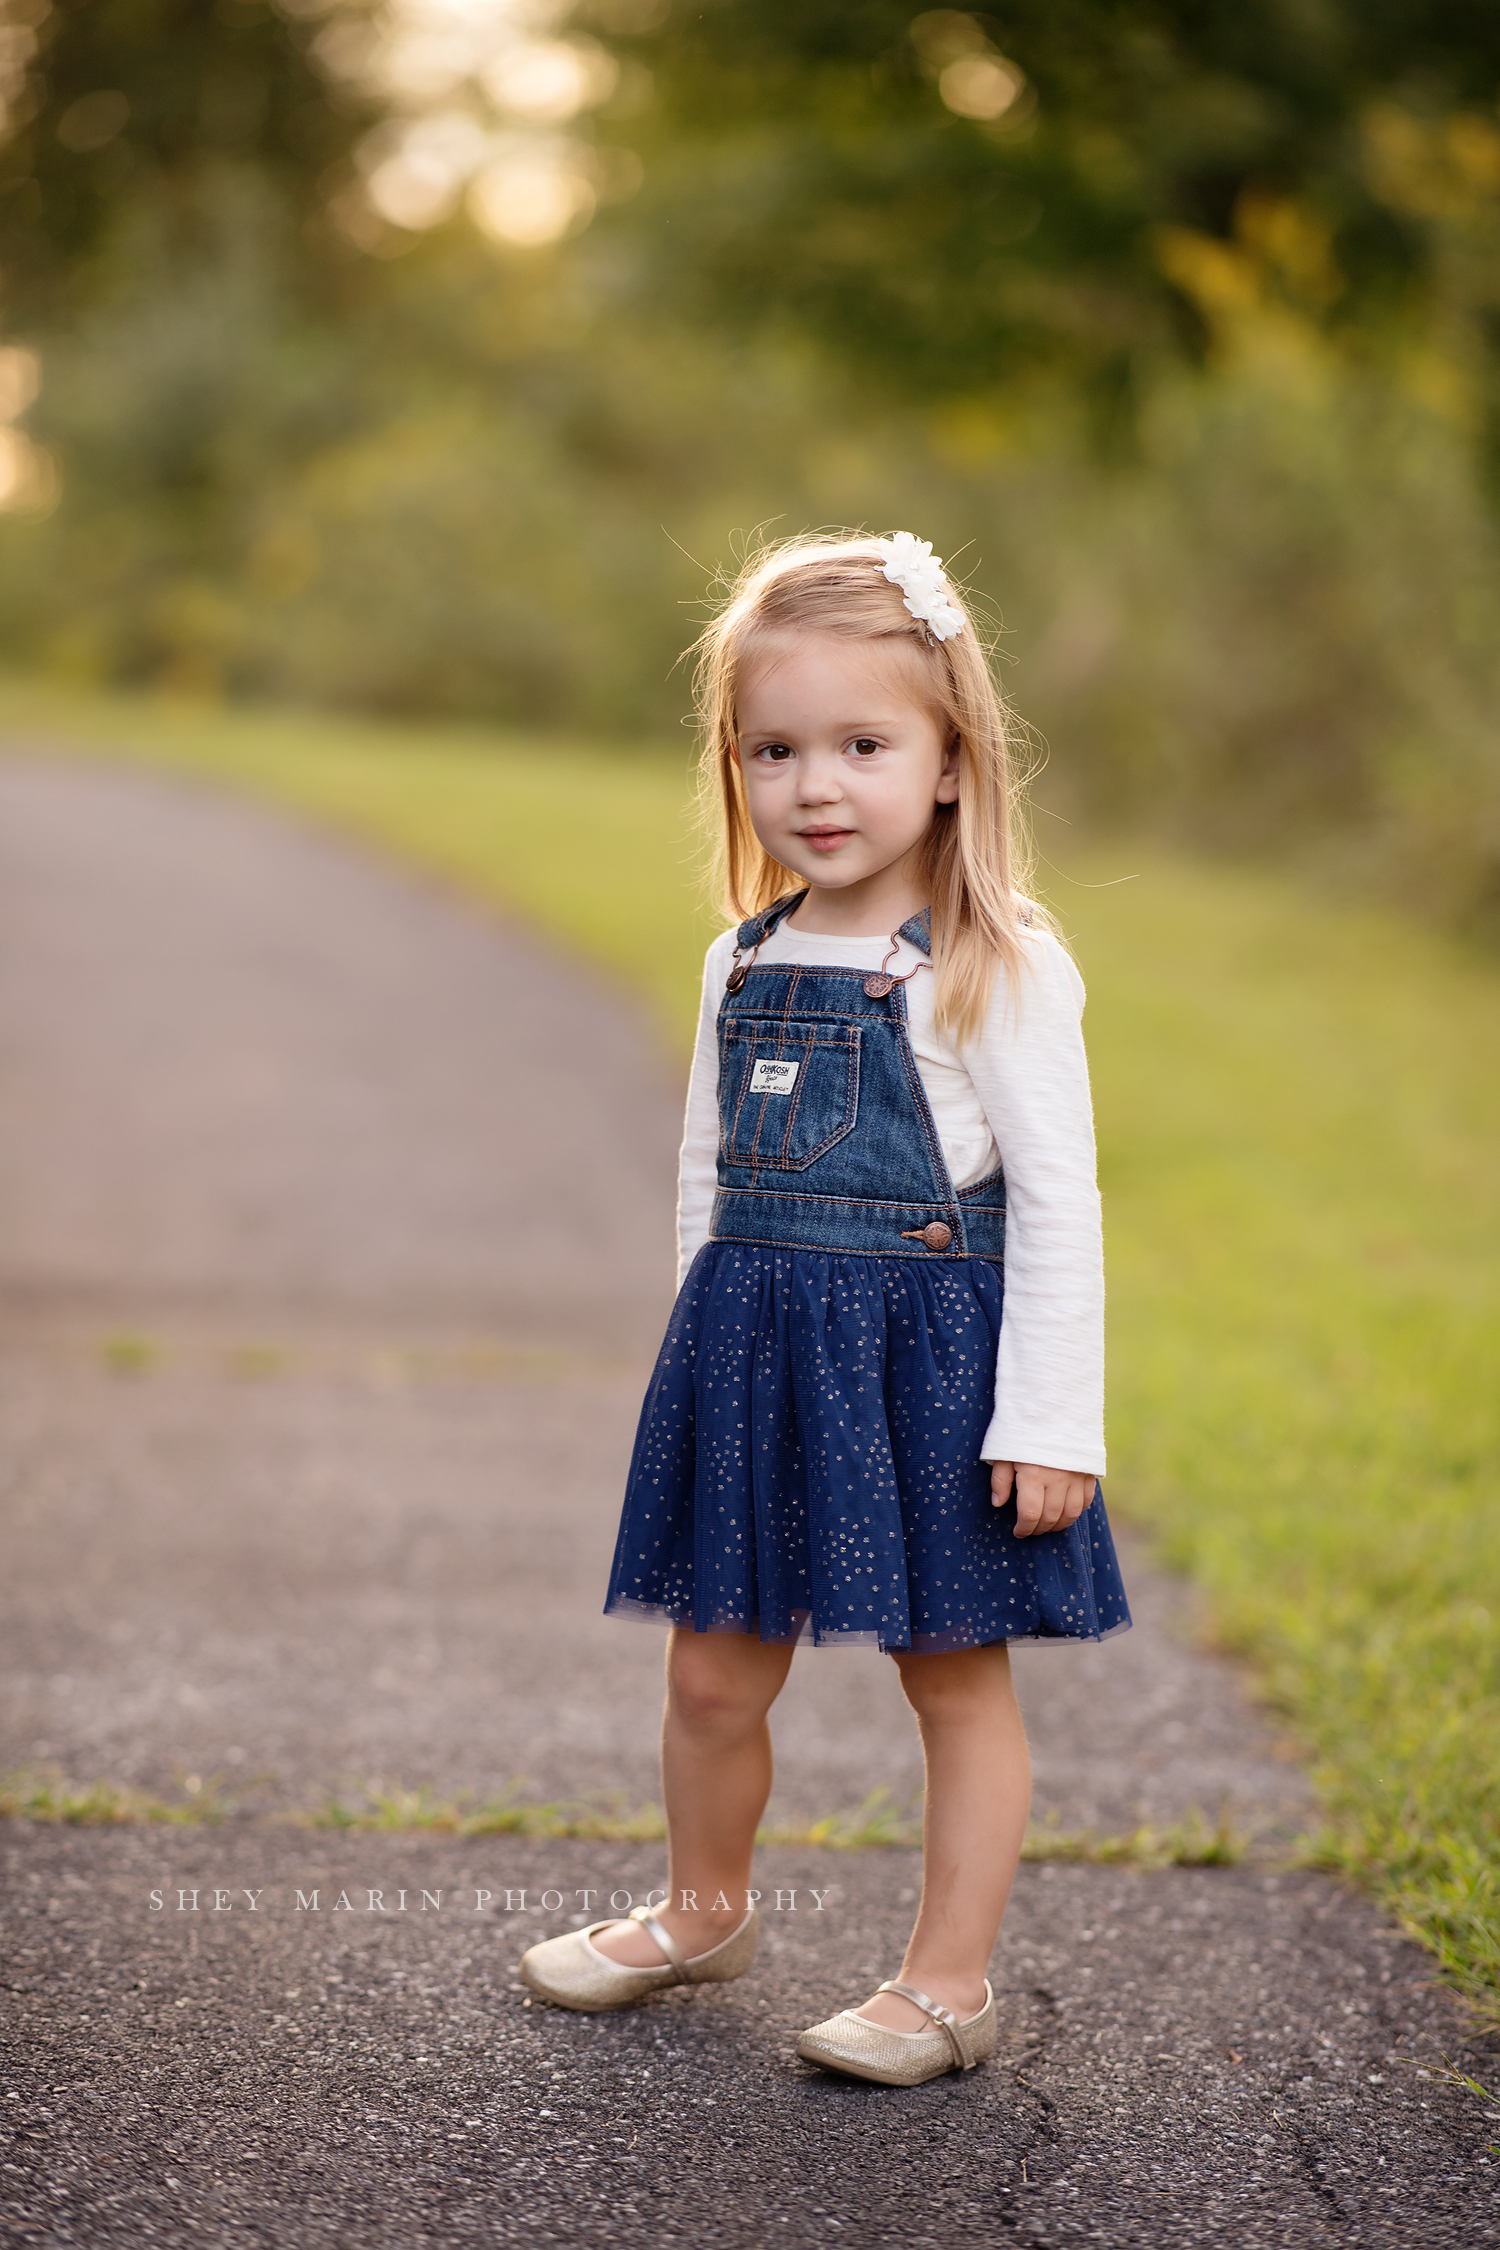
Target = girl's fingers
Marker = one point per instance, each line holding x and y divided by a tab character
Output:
1032	1504
1084	1498
1045	1501
1054	1504
1072	1506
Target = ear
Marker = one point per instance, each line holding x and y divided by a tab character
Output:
946	792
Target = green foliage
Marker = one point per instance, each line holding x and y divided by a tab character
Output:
805	163
1187	353
1282	634
134	105
1279	630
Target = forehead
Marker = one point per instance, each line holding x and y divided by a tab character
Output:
856	672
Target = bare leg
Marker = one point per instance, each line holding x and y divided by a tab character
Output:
974	1818
716	1777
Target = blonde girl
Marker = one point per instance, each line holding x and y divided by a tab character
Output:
877	1415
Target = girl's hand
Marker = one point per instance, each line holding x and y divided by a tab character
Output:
1046	1499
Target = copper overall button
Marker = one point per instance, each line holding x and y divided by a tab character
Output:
935	1235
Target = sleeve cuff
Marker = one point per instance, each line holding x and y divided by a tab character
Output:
1048	1452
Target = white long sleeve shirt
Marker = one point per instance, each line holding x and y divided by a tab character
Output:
1017	1097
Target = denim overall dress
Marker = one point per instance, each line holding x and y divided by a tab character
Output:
808	1452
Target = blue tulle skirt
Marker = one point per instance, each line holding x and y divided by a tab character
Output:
808	1462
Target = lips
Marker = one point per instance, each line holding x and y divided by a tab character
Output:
824	839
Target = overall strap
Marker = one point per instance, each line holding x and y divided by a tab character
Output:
759	927
918	931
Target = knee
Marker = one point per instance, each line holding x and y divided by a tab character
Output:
708	1693
962	1688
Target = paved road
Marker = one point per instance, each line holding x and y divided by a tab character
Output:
321	1367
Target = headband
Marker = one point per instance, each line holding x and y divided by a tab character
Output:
911	564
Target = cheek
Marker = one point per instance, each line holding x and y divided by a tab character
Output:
898	799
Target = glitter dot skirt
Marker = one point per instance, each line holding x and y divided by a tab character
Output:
807	1463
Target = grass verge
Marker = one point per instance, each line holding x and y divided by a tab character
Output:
876	1824
1299	1110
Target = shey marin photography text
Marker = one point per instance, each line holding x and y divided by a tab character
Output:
358	1898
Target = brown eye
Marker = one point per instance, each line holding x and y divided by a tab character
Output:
864	745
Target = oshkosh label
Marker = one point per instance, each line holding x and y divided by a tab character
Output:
773	1077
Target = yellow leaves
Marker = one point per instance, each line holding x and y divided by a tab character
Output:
1291	243
1446	172
1217	276
1262	294
1280	249
1445	168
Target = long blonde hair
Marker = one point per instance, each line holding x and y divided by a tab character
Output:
975	852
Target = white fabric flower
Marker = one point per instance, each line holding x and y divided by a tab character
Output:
911	564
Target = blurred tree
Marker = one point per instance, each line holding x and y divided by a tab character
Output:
882	266
945	200
115	105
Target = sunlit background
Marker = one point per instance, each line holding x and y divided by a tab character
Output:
429	357
382	387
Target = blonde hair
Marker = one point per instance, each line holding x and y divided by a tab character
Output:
975	851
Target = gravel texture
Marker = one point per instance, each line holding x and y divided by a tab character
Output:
321	1370
1192	2057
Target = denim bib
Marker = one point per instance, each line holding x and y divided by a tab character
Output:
826	1141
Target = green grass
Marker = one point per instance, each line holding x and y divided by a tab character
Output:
1299	1113
44	1795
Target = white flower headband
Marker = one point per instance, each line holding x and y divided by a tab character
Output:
911	564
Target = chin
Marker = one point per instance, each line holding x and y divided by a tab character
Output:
829	873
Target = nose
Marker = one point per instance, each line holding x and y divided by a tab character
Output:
817	781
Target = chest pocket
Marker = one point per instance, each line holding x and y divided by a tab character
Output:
787	1090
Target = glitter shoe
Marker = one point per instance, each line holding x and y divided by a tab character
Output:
860	2049
572	1973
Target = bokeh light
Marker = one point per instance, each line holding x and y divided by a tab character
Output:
532	195
550	80
476	92
982	86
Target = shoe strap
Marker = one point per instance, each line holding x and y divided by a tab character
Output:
675	1957
943	2017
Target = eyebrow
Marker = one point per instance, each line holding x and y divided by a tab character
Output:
848	726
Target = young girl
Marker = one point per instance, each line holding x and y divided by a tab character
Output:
888	1130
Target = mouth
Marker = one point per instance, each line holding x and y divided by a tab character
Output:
824	839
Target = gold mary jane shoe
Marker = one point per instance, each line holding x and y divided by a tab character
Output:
571	1972
861	2049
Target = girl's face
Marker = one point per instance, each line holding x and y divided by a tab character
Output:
842	767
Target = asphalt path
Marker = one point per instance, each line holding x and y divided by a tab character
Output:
334	1243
